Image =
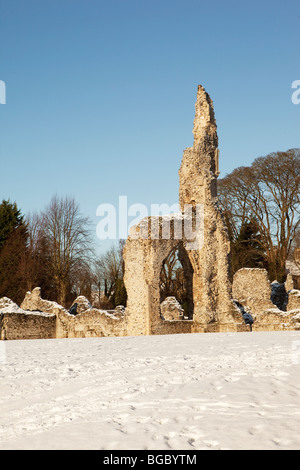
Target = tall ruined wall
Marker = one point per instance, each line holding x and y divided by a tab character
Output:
198	175
199	168
208	254
251	286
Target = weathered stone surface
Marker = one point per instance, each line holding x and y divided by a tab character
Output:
34	301
208	253
16	323
86	323
293	300
8	306
200	164
247	317
293	269
289	283
171	309
120	310
90	323
81	304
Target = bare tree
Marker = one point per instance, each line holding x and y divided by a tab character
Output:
171	273
109	273
35	268
267	194
69	239
82	280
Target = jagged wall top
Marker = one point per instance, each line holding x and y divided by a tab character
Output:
199	168
204	122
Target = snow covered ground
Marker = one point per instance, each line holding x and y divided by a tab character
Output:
193	391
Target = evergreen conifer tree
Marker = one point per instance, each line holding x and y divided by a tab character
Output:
13	246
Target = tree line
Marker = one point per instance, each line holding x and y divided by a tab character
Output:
53	249
261	206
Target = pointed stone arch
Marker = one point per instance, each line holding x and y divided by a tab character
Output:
176	279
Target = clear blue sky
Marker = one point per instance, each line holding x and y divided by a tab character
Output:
101	93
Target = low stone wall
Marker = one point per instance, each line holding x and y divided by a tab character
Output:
252	289
38	318
16	323
15	326
172	327
91	323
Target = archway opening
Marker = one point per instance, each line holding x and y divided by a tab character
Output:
176	282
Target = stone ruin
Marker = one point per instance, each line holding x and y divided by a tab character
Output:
39	318
293	268
170	309
205	258
271	305
199	234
